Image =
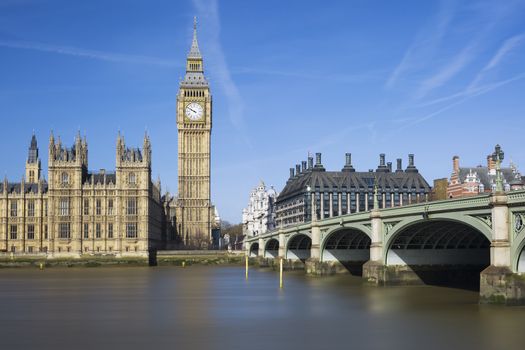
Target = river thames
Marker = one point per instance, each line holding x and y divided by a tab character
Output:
216	308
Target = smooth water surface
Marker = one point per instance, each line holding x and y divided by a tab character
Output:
216	308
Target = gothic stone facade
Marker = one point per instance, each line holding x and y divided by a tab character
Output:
79	212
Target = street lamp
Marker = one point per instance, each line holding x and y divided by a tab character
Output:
312	202
497	157
376	201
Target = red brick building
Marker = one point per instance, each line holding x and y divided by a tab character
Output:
471	181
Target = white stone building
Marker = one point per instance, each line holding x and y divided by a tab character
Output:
259	216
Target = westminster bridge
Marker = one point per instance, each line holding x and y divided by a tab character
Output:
480	238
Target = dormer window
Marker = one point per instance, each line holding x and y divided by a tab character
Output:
132	179
65	178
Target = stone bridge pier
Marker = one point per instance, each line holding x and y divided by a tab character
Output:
442	251
498	282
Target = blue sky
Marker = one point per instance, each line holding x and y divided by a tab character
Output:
434	78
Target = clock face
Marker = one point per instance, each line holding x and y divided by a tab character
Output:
194	111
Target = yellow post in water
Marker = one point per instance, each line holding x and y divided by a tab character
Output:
280	272
183	263
41	266
246	258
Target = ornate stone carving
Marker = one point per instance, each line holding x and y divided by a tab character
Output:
388	226
486	219
519	222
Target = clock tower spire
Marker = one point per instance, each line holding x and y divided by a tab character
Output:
194	211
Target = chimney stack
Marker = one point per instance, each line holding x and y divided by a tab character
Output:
455	164
348	162
382	166
399	165
297	169
318	165
490	163
411	167
310	162
292	173
303	165
389	166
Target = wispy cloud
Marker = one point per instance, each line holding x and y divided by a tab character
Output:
421	63
420	59
475	88
91	54
340	77
447	72
507	46
462	97
425	43
472	92
327	141
209	10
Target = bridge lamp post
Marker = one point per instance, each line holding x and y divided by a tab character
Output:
376	201
313	210
497	157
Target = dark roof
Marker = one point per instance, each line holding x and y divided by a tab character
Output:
132	155
101	178
14	187
66	154
33	143
32	157
509	174
193	80
337	180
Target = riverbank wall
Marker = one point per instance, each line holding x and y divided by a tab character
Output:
159	258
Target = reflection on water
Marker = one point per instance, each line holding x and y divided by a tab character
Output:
216	308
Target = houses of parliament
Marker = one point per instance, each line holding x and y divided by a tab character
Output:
122	212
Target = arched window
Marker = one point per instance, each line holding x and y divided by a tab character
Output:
65	178
132	179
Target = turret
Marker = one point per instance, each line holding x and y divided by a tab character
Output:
146	149
127	157
52	146
6	184
33	165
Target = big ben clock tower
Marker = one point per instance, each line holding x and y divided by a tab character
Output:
194	211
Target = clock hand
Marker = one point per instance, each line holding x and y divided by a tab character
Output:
191	110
